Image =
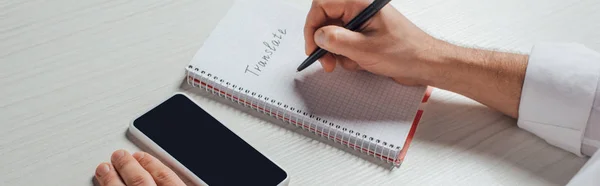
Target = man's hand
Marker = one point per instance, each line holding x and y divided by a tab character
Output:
388	44
141	169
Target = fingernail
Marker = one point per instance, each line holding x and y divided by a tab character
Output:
320	38
102	169
117	155
138	155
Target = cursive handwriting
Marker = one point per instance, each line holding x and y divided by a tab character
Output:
270	47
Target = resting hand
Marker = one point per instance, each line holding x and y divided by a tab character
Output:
141	169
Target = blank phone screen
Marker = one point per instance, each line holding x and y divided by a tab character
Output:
206	147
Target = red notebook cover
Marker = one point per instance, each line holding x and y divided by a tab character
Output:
413	129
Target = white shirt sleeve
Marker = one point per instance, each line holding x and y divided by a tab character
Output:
558	93
558	102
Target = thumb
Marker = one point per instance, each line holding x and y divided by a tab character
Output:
339	40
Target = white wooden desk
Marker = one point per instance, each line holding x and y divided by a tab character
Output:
71	81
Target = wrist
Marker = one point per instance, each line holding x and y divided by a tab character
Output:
447	65
438	62
489	77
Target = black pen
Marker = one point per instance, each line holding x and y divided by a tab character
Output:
353	25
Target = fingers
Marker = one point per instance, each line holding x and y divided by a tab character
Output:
323	12
341	41
106	175
328	62
316	18
347	63
161	174
132	173
334	37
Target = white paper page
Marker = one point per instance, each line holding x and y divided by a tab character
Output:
366	103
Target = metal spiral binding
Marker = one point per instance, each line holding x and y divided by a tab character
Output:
299	118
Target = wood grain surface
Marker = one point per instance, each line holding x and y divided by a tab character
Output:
74	74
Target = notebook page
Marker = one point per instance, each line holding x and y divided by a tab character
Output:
258	46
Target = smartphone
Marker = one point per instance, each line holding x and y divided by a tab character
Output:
198	146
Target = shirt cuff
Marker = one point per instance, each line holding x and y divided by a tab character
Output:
558	93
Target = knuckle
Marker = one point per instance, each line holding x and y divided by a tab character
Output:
335	5
164	175
123	162
325	4
331	35
138	180
318	3
328	5
145	161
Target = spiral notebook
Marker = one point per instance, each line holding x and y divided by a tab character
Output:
251	57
